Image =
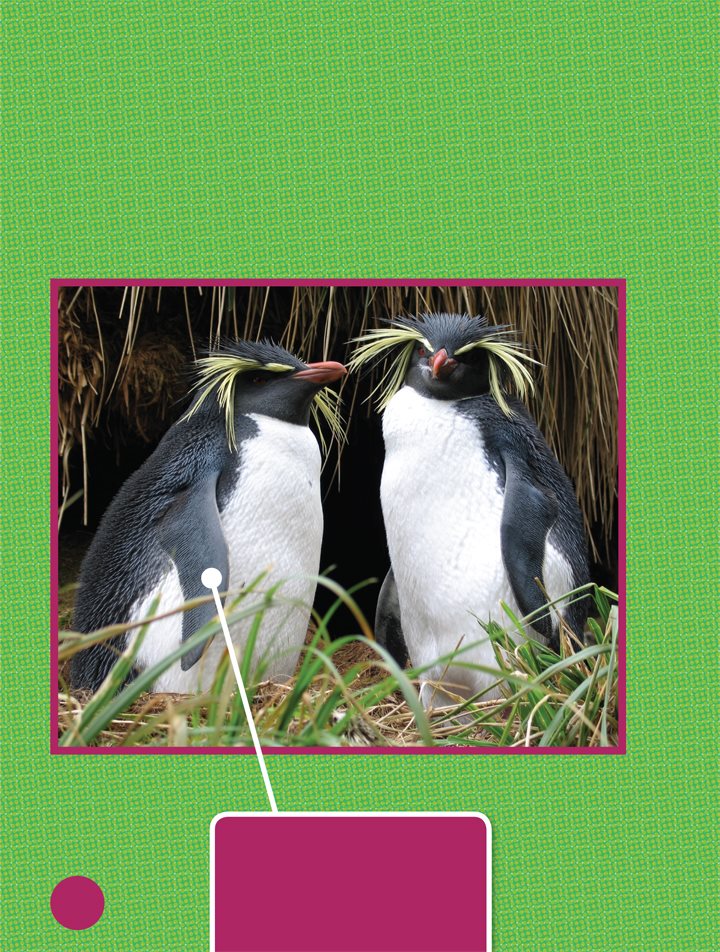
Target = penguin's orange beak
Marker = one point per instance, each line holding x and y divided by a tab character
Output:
442	365
323	372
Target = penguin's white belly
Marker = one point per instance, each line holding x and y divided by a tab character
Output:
273	524
443	505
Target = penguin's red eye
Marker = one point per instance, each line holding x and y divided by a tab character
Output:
259	379
421	352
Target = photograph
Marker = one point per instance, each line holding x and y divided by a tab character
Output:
408	497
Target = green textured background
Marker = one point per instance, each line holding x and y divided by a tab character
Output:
379	140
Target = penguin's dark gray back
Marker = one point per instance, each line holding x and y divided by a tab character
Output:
518	436
125	560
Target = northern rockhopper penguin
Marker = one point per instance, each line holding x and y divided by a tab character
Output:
476	506
234	484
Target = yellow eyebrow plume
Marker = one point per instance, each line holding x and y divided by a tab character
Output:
219	374
378	343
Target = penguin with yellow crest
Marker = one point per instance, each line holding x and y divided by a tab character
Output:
477	509
235	485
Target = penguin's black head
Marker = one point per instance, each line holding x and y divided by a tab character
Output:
271	381
261	377
445	356
447	362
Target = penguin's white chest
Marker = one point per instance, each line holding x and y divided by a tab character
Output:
442	504
272	522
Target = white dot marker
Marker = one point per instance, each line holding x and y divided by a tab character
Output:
211	578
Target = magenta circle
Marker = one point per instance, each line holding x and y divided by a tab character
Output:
77	902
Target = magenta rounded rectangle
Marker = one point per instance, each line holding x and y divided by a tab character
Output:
350	882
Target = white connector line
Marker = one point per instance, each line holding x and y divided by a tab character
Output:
211	578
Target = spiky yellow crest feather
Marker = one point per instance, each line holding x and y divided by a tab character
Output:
395	344
325	409
218	374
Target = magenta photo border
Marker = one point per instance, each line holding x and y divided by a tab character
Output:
618	283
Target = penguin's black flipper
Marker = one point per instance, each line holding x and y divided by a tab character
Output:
191	534
388	629
529	513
